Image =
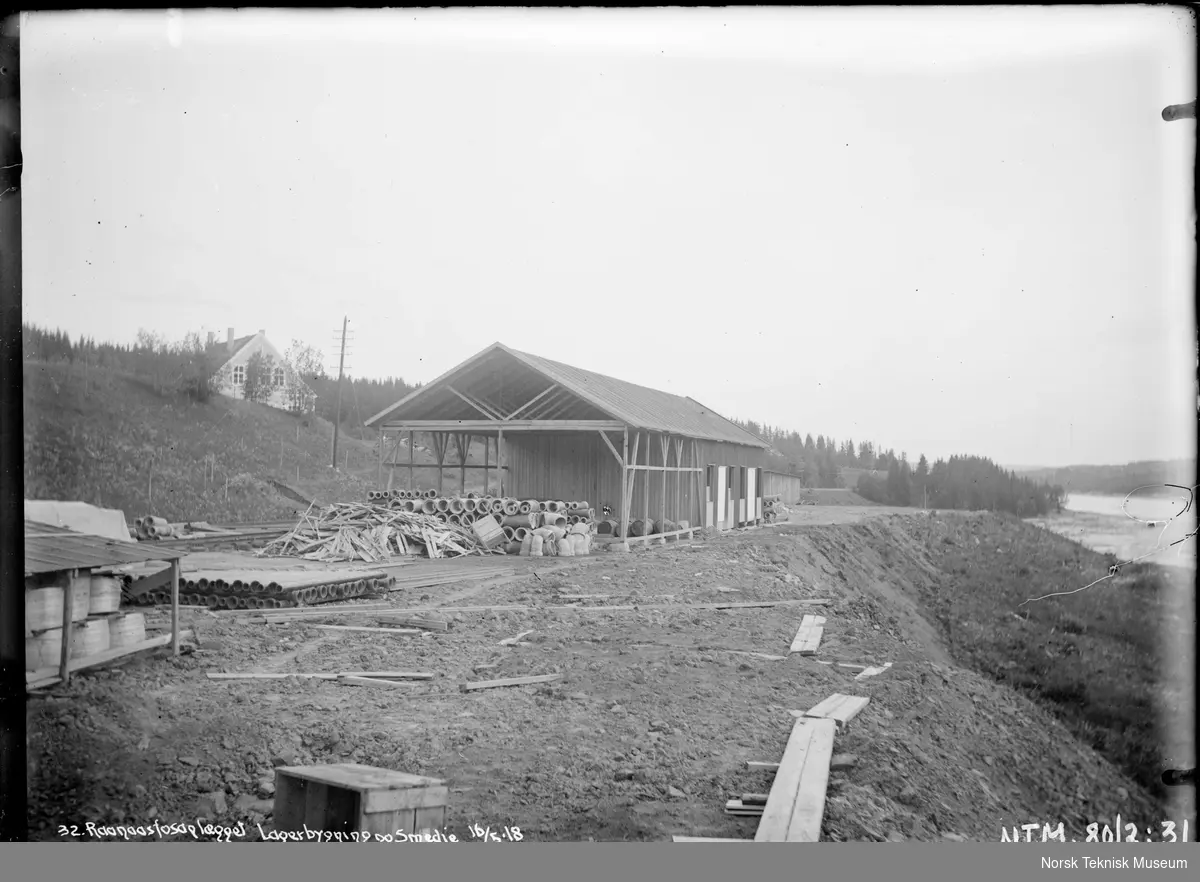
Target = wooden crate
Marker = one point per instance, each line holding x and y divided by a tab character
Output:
347	797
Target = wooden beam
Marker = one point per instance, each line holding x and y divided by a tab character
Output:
175	607
479	406
613	449
440	442
487	469
665	441
500	460
654	468
463	443
623	516
534	400
412	452
631	475
679	480
796	803
379	476
64	656
840	708
646	490
508	425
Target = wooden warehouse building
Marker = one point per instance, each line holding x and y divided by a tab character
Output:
559	432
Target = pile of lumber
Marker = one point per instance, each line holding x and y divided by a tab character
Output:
371	532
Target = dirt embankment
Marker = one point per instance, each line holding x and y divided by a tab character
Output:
648	732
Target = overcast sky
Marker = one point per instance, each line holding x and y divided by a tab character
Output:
945	231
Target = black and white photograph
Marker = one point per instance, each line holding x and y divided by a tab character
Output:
599	425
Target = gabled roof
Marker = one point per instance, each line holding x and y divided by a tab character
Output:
223	349
505	379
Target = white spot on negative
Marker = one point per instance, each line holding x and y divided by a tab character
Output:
175	28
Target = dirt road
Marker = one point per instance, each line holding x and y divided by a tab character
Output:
649	729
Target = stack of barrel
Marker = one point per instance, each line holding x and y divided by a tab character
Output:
98	623
519	519
774	509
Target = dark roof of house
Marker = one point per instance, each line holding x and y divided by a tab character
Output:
224	349
52	549
636	406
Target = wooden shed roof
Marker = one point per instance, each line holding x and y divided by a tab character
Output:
501	384
52	549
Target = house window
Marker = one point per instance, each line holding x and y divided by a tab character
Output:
239	375
277	377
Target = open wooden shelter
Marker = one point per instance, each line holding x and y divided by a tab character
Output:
560	432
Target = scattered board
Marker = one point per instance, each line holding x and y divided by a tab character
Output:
512	641
681	607
842	708
755	764
705	839
415	622
796	803
511	681
373	681
372	630
872	671
809	636
738	808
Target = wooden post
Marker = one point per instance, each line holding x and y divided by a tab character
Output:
624	515
500	458
440	442
382	444
487	472
412	452
678	480
68	611
662	503
646	489
175	607
464	445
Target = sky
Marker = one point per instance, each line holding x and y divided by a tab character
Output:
950	231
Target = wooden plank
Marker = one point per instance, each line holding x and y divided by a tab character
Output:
842	708
755	764
44	677
511	681
416	622
254	675
512	641
705	839
809	810
777	814
372	681
399	631
808	637
797	796
872	671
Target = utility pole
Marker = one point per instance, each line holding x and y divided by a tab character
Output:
341	370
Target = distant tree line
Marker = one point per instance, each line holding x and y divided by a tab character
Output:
1117	480
962	482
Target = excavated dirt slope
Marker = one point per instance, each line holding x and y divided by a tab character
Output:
648	732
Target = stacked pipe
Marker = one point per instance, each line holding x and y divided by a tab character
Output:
151	527
774	509
518	518
269	589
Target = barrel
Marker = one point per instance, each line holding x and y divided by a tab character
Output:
126	630
43	650
104	596
43	608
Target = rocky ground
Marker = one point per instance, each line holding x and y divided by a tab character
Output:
647	733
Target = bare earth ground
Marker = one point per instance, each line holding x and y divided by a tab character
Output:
647	733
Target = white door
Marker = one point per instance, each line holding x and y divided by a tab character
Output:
719	492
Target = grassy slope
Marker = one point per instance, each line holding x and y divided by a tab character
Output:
1095	657
91	439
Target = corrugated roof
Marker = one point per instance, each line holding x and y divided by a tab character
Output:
51	549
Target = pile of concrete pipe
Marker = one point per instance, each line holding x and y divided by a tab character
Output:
518	518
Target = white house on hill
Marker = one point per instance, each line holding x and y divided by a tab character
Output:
288	390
